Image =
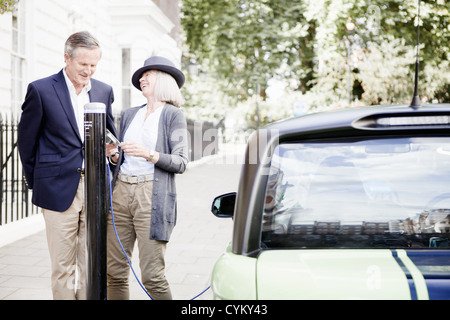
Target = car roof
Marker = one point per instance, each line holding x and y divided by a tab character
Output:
356	118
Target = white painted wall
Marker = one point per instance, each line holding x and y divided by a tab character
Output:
136	24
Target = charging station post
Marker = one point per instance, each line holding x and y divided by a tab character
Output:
96	202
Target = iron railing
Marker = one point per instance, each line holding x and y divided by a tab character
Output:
15	198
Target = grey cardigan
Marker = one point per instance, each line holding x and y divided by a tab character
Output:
172	145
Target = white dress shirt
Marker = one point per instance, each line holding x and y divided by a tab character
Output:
78	102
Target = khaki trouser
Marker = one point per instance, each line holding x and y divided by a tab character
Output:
66	234
132	213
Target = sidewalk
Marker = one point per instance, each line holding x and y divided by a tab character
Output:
197	241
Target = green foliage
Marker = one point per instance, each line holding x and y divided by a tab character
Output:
7	5
248	42
305	43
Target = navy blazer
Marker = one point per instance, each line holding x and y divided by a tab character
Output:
49	142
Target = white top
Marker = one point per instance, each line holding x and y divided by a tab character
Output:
78	102
144	132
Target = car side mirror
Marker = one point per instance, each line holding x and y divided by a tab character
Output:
223	206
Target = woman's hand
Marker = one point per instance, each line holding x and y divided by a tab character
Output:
135	149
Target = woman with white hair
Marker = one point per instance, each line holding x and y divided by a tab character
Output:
153	150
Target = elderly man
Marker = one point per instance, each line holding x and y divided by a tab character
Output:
51	147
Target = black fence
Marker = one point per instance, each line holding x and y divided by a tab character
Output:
203	139
15	198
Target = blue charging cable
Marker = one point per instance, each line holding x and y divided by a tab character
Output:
121	246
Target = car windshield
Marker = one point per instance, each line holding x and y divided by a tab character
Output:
378	193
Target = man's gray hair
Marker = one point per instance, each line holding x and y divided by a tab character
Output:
81	39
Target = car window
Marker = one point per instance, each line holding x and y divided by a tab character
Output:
382	193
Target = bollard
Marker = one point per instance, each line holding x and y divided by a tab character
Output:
96	203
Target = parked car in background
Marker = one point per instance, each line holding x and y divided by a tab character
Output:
350	204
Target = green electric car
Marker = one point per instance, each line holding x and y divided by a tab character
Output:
350	204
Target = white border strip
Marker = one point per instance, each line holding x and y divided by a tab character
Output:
419	280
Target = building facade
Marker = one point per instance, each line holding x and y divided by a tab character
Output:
32	39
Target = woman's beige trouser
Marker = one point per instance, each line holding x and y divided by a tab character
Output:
132	213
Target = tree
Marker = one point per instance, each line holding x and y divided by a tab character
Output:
305	43
386	37
7	5
249	42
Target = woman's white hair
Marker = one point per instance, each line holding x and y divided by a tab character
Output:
166	89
